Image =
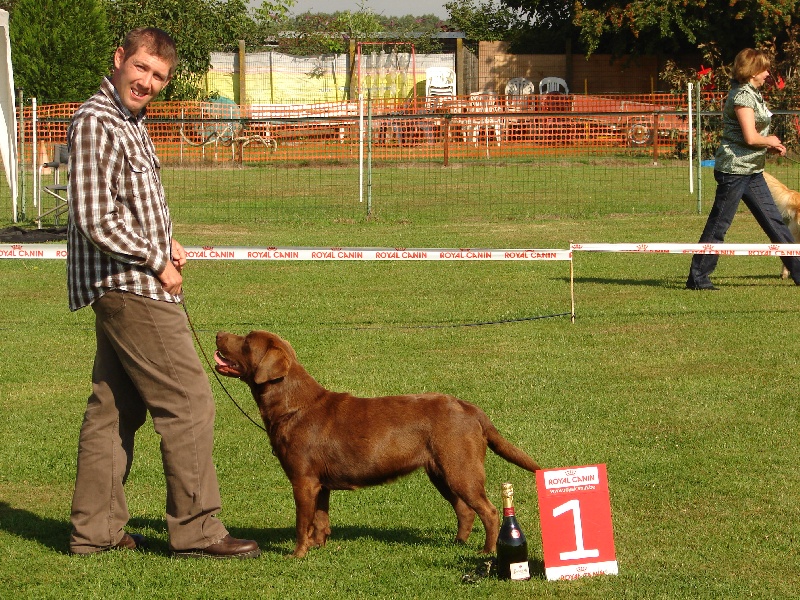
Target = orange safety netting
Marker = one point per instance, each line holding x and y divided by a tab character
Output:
420	128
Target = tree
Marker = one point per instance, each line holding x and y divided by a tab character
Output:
543	26
324	33
714	73
199	27
204	26
483	21
60	49
647	25
665	26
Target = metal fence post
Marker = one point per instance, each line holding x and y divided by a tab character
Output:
699	158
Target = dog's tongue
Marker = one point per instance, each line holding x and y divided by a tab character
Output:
226	366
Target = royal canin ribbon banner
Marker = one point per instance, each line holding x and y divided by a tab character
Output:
671	248
59	251
56	251
575	515
271	253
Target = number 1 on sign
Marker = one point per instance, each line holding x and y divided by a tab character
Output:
580	551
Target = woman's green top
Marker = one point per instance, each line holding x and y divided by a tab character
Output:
734	155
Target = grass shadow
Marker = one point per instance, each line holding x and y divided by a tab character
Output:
54	533
51	533
733	282
623	282
278	540
481	567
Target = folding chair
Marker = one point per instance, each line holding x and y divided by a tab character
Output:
56	189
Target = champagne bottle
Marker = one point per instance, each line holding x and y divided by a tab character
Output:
512	547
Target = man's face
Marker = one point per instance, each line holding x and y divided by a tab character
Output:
139	78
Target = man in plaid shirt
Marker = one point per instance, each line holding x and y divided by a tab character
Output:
123	262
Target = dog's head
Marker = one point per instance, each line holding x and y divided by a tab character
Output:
256	358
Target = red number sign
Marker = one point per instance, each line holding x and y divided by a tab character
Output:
575	514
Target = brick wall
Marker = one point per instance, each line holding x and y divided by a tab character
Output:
600	74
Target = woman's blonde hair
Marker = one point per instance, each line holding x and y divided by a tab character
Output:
749	62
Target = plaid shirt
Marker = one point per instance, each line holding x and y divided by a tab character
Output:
119	228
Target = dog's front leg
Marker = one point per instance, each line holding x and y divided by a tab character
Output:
306	491
322	523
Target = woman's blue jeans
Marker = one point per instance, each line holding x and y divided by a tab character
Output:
731	189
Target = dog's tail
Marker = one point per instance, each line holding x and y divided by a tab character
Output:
502	447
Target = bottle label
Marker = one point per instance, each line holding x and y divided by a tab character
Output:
520	571
515	533
509	511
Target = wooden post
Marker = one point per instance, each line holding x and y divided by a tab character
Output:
242	75
459	66
655	138
351	93
447	139
568	59
242	97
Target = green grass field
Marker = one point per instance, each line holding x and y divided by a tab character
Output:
502	191
688	398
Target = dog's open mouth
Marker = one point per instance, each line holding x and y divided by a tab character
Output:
226	366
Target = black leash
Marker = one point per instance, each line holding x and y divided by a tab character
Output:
213	370
261	427
471	324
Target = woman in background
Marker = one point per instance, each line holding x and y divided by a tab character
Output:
739	166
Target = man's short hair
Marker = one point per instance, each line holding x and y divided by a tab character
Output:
155	41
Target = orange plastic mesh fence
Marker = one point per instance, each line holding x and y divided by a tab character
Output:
423	128
512	157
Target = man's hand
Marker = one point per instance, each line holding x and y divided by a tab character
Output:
171	279
178	256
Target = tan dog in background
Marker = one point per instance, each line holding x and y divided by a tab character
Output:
335	441
788	202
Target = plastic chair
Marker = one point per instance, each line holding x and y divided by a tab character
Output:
520	93
440	84
553	85
440	81
56	189
520	86
483	102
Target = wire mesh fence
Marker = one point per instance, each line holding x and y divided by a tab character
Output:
481	156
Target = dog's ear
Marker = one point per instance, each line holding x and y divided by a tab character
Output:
274	365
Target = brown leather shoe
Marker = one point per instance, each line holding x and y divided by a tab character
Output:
227	547
130	541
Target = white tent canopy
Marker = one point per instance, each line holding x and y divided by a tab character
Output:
8	114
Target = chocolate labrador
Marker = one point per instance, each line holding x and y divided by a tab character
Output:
335	441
